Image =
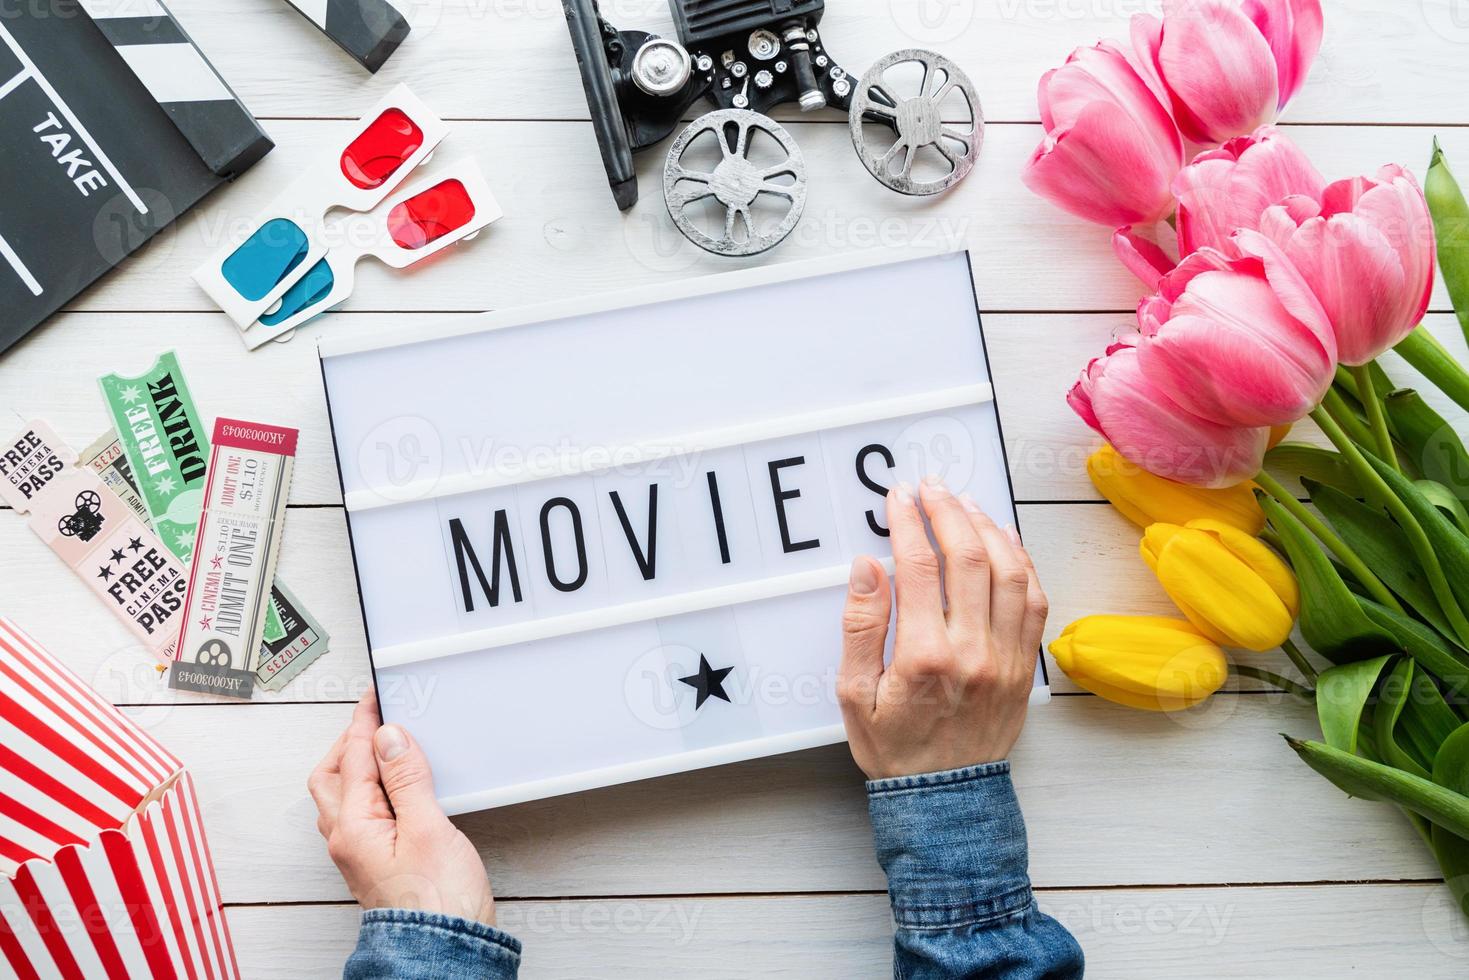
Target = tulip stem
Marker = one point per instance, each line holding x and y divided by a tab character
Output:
1346	417
1299	659
1328	537
1269	677
1422	350
1377	488
1367	394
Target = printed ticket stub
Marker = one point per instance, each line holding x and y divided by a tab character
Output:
303	641
239	531
165	445
106	458
95	532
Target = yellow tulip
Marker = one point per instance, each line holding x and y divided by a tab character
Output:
1146	662
1146	499
1233	588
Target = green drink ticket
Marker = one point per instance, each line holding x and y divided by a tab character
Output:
165	445
304	640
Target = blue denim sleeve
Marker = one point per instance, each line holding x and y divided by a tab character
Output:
403	944
953	846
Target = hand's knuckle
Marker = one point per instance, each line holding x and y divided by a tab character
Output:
969	558
930	662
1038	605
338	847
860	621
1015	579
922	561
404	775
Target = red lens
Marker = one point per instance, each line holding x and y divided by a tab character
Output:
381	149
431	215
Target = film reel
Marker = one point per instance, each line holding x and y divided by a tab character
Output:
735	182
918	122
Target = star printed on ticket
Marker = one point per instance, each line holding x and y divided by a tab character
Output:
96	534
239	530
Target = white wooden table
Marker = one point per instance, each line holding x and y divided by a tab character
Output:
1184	846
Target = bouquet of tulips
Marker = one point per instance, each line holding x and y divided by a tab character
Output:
1272	292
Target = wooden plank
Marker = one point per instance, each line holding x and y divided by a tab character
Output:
562	236
1111	796
1131	934
1036	360
1085	553
1382	61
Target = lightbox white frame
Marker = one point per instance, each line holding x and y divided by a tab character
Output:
362	500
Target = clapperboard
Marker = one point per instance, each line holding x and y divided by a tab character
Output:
368	30
112	124
614	533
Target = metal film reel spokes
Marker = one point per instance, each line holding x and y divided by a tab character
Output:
918	122
736	182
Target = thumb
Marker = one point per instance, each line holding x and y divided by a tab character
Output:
406	777
864	634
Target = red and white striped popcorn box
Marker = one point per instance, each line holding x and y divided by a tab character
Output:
71	764
104	867
140	902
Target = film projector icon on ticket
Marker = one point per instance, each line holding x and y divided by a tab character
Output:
734	179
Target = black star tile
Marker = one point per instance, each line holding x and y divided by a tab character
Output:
135	544
117	556
707	683
104	573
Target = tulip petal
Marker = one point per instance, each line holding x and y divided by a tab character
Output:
1142	256
1358	277
1148	662
1102	73
1232	354
1218	68
1100	169
1293	29
1145	498
1398	209
1219	592
1261	560
1148	428
1229	188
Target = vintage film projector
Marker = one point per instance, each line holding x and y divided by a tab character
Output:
748	56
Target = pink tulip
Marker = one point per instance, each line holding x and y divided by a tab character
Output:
1150	254
1110	148
1367	251
1147	427
1229	188
1226	67
1238	341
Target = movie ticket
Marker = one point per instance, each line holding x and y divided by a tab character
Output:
95	532
106	458
239	531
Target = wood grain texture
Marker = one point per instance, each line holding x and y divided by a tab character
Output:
1306	933
1382	60
562	236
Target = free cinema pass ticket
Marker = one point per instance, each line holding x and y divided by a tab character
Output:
235	551
95	533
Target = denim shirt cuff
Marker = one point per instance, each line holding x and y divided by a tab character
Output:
473	948
953	846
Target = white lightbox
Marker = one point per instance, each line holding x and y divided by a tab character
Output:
606	539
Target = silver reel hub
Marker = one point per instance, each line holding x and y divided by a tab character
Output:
734	183
918	120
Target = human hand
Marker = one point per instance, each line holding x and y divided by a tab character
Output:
385	830
956	691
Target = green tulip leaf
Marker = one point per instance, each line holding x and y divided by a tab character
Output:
1451	771
1432	443
1370	780
1440	497
1341	696
1331	620
1445	660
1313	463
1383	546
1385	715
1448	542
1450	214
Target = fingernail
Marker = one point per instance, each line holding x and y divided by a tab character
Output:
1013	535
905	494
967	502
934	487
391	742
864	577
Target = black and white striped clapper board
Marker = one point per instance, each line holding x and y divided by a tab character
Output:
369	30
112	124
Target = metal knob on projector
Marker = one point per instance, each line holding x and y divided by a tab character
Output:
799	45
661	67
